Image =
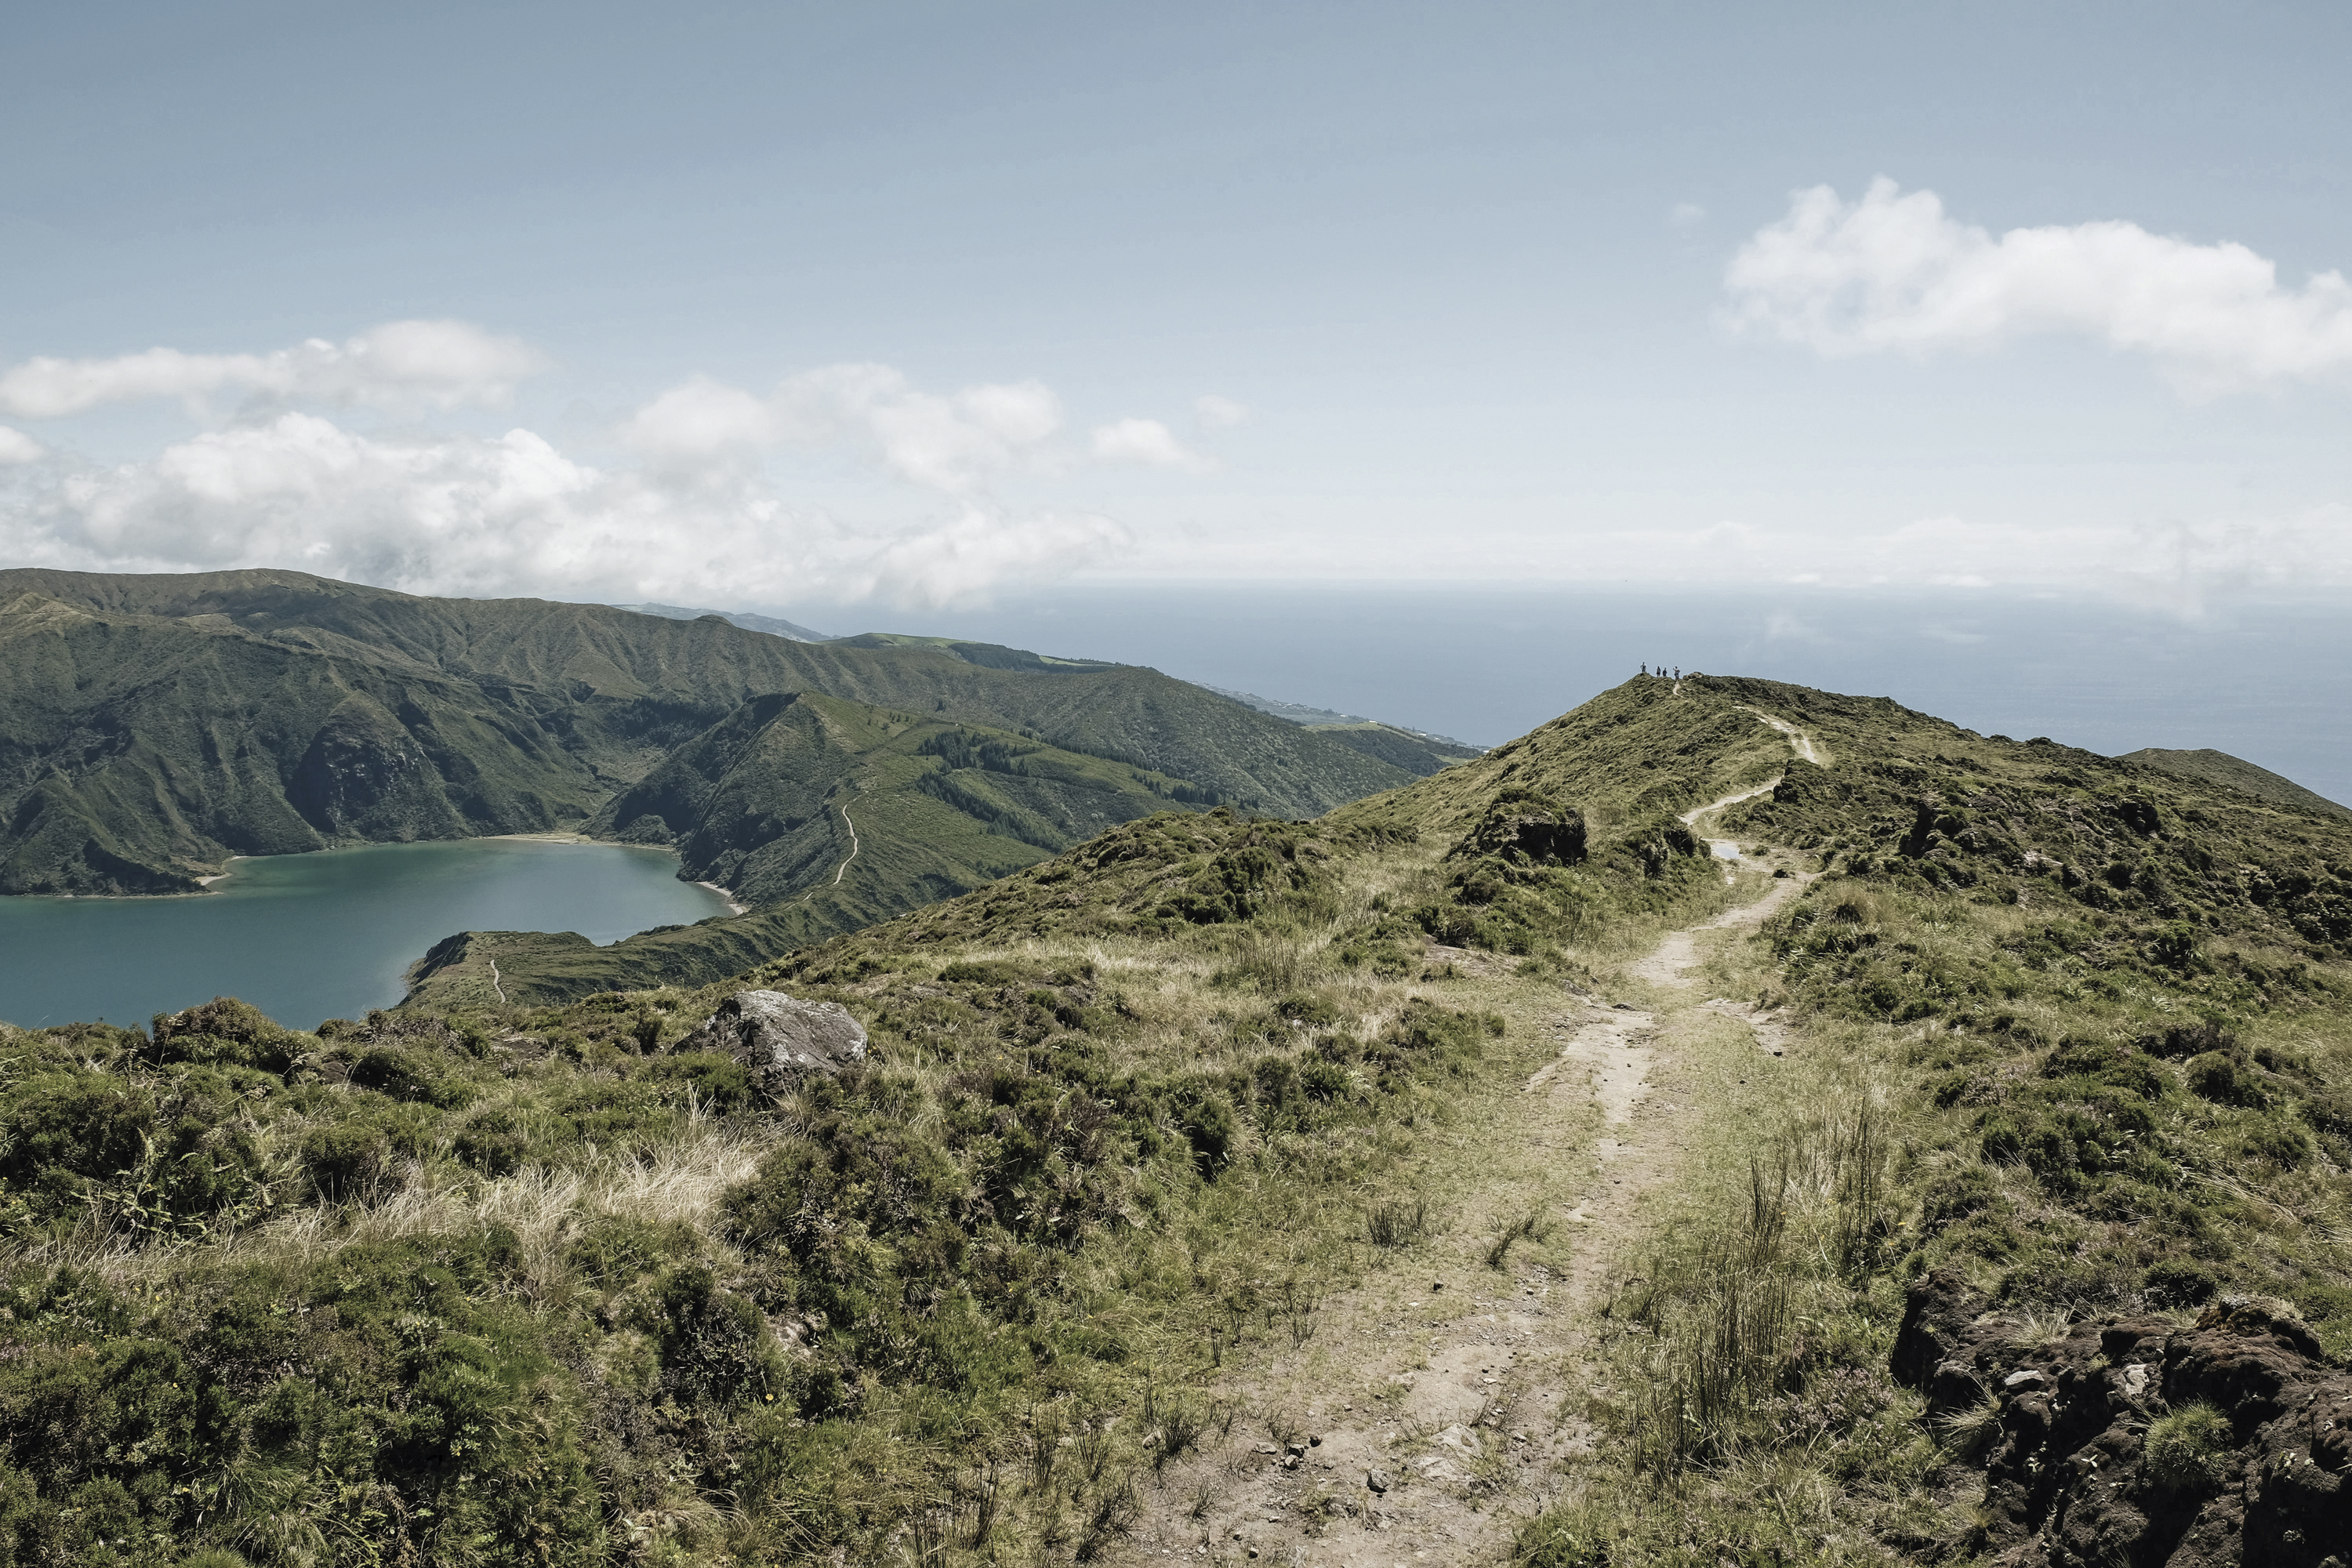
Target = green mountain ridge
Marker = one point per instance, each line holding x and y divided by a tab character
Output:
1213	1129
152	726
771	624
2235	773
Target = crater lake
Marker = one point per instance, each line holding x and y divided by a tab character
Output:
309	937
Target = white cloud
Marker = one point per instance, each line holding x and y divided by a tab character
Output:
1216	413
696	516
1146	441
951	443
1893	271
511	515
399	363
698	420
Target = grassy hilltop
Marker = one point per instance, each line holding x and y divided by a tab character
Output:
1157	1134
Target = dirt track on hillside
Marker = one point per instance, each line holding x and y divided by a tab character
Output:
1465	1385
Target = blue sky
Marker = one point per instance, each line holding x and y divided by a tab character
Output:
910	305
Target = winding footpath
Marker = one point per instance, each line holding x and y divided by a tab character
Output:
853	845
1440	1402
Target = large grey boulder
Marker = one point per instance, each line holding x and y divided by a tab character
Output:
781	1038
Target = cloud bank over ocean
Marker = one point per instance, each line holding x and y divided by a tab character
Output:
687	507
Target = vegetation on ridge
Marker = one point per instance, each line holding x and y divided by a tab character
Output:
551	1284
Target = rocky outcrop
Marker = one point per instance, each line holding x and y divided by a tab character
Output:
2097	1447
782	1038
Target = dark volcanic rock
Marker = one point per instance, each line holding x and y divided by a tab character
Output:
781	1038
2067	1479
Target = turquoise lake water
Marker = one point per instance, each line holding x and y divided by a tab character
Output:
307	937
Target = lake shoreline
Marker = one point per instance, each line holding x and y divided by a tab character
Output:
735	906
324	933
228	867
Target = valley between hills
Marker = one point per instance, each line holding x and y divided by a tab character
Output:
1732	1123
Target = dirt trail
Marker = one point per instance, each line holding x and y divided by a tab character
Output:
1726	849
853	845
1419	1422
1801	742
1462	1385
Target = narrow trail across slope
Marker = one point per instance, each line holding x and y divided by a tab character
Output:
853	845
843	869
1799	742
1726	849
496	985
1443	1395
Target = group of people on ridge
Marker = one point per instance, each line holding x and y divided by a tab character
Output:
1661	672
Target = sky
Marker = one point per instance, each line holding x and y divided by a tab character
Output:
899	310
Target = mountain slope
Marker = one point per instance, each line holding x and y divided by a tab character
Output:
2221	768
150	727
1991	1183
1418	755
827	815
136	755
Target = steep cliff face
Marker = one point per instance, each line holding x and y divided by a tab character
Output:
365	776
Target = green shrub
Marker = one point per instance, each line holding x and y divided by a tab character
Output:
2220	1078
2191	1449
717	1082
1206	1119
2174	947
224	1031
2082	1134
2109	1062
495	1142
410	1074
614	1249
1312	1012
1954	1197
65	1126
347	1161
2182	1041
715	1347
2276	1141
